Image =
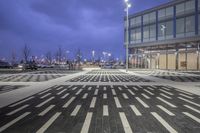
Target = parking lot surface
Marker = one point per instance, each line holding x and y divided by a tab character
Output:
122	103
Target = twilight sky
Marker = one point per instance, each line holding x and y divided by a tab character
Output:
71	24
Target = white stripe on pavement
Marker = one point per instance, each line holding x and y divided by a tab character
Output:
85	96
148	92
13	121
96	92
164	123
105	110
144	95
74	88
135	110
65	96
150	88
93	102
132	93
46	110
189	101
45	95
142	102
89	88
192	116
44	92
68	102
125	123
166	92
86	124
104	88
59	88
13	105
16	110
61	91
165	110
196	110
117	102
104	96
77	93
120	88
113	92
41	104
165	88
184	92
165	96
186	96
125	96
135	88
48	123
168	103
125	86
74	113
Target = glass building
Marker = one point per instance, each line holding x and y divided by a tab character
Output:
166	36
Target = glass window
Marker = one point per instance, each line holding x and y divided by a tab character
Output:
133	36
190	25
152	31
199	4
146	32
161	31
138	20
138	34
132	22
190	5
145	18
199	24
169	11
161	13
180	27
180	8
152	16
169	29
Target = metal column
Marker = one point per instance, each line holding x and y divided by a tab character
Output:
177	54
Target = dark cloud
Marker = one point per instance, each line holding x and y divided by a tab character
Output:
72	24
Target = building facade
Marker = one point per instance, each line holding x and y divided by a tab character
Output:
166	36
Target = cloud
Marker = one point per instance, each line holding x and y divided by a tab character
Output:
73	24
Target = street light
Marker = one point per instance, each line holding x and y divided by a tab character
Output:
163	27
128	5
93	52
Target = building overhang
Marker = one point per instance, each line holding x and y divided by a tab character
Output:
166	42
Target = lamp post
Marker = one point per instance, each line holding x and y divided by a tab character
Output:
93	52
128	5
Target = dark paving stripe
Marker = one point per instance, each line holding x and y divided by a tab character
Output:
99	123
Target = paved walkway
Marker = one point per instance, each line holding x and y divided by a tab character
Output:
99	101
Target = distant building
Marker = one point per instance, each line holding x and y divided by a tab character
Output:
166	36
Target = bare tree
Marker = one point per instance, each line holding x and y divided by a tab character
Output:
59	54
26	52
13	57
78	56
49	57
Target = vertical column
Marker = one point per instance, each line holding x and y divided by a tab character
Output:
156	25
167	57
150	59
186	49
174	22
135	54
142	29
198	55
196	17
177	54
